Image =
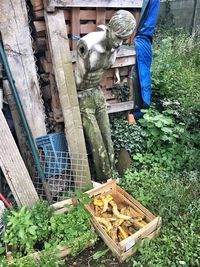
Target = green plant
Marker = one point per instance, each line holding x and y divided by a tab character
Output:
175	197
72	229
121	92
128	136
20	230
175	70
161	129
40	216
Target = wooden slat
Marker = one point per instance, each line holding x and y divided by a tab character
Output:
118	107
142	233
52	4
123	52
129	252
100	15
14	168
17	42
75	25
62	65
37	4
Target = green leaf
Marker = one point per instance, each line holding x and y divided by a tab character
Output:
99	254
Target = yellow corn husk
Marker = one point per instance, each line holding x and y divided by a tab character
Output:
113	234
118	222
98	202
106	199
122	232
105	222
116	212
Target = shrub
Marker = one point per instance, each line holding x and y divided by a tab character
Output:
128	136
175	70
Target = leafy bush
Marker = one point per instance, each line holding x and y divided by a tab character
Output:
20	230
72	229
175	70
128	136
169	144
121	92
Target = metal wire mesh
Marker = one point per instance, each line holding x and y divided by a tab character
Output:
67	179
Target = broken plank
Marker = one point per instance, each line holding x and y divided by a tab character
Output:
14	168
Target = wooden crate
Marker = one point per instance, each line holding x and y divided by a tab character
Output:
125	248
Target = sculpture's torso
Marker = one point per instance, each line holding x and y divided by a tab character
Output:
93	58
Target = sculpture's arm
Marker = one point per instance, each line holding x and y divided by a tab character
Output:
117	76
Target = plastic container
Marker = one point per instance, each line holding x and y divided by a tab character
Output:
54	147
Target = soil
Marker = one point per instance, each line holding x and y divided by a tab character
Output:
85	259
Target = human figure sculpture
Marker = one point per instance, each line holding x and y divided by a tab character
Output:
96	52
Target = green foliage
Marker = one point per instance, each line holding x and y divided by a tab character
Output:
161	130
175	197
169	144
128	136
26	227
20	230
175	70
121	92
47	258
72	229
41	214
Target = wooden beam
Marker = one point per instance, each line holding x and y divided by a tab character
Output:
122	106
17	42
52	4
62	65
14	168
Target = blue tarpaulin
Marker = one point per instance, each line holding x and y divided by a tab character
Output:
143	42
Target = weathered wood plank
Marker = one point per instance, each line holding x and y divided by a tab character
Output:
52	4
20	132
14	27
75	25
101	16
14	168
122	106
62	65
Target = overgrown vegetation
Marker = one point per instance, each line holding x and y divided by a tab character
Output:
164	176
165	173
38	228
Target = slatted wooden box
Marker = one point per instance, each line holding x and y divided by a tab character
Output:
125	248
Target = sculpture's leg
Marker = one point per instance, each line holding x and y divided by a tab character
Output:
94	137
104	125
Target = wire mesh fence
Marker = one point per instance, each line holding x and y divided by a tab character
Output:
65	173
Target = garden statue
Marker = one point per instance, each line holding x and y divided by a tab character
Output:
96	52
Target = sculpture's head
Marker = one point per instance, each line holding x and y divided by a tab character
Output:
120	27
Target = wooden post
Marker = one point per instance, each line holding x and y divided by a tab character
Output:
16	37
14	168
64	76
